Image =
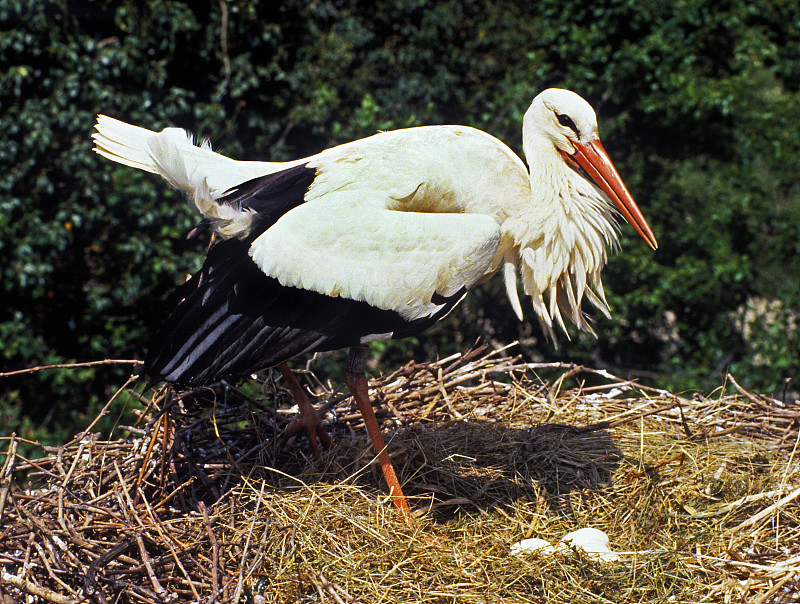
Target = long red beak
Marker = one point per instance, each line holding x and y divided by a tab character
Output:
594	161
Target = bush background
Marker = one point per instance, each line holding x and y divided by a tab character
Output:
697	102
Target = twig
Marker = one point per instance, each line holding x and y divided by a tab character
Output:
6	473
215	553
45	561
760	401
775	588
146	462
630	415
223	45
146	561
90	583
72	366
767	511
331	588
168	539
33	589
685	424
656	466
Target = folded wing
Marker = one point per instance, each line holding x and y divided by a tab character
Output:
350	245
333	272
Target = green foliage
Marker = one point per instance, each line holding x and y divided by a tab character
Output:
697	102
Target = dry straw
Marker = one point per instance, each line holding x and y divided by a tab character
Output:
208	503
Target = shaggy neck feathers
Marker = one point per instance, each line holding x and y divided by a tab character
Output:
562	250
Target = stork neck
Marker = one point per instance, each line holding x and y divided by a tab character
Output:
550	186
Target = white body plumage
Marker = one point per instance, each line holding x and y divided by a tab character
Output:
405	219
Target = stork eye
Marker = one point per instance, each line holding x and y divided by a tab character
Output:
567	122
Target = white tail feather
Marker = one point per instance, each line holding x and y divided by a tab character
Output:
173	155
123	143
202	174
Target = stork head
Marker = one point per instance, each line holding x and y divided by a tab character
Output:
570	124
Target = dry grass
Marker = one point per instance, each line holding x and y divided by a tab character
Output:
207	503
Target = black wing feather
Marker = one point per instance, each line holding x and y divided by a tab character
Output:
236	320
270	197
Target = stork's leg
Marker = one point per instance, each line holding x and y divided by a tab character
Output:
357	383
308	420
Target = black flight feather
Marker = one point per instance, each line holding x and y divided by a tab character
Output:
236	320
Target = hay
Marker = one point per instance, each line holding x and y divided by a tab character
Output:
208	503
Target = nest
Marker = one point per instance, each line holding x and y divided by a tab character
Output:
205	501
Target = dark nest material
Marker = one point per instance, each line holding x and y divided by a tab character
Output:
208	503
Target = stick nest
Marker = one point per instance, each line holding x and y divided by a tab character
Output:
207	502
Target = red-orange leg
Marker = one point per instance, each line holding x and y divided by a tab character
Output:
308	420
357	383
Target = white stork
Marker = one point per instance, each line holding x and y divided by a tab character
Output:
379	238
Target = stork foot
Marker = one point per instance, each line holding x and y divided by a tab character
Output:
312	426
308	421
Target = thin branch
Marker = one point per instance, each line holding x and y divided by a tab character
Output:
223	46
7	472
33	589
71	366
215	552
